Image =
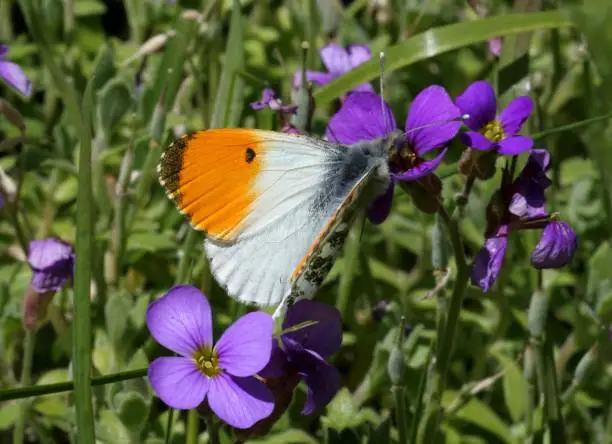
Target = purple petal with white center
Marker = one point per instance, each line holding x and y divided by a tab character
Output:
478	100
422	169
245	347
556	247
514	145
316	77
267	95
360	118
358	54
336	59
477	141
181	320
515	114
380	208
488	262
430	108
16	77
240	402
324	337
277	365
178	382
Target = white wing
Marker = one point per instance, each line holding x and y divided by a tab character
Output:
303	183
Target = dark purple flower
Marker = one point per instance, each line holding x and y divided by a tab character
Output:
557	246
52	262
181	321
490	131
13	74
312	333
429	126
518	205
338	61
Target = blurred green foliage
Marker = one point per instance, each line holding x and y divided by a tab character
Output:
164	68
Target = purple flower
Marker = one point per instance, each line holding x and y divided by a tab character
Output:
429	127
13	74
303	349
269	100
520	205
488	130
338	61
181	321
52	262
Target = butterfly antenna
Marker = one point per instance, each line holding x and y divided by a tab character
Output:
383	108
461	118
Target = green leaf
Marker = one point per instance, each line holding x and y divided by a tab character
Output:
480	414
114	101
228	103
84	8
132	409
8	415
110	430
342	412
514	386
437	41
294	436
151	242
116	313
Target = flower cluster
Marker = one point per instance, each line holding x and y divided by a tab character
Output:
239	376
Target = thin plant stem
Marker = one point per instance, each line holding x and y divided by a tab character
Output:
213	431
445	348
49	389
399	393
26	380
193	427
80	116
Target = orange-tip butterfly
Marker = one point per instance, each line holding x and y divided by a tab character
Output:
276	207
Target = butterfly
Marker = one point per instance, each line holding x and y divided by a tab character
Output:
276	207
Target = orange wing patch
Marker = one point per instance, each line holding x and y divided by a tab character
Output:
211	176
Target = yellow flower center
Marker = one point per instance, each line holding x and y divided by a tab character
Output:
207	361
494	131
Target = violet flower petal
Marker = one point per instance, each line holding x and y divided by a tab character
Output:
360	118
488	262
325	337
52	262
431	107
15	77
178	382
322	386
556	247
4	49
477	141
245	347
181	320
336	59
358	54
240	402
316	77
380	208
478	100
422	169
514	145
277	365
515	114
267	95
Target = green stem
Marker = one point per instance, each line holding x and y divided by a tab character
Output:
213	431
570	126
399	392
48	389
80	118
169	426
193	427
351	259
26	380
450	330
